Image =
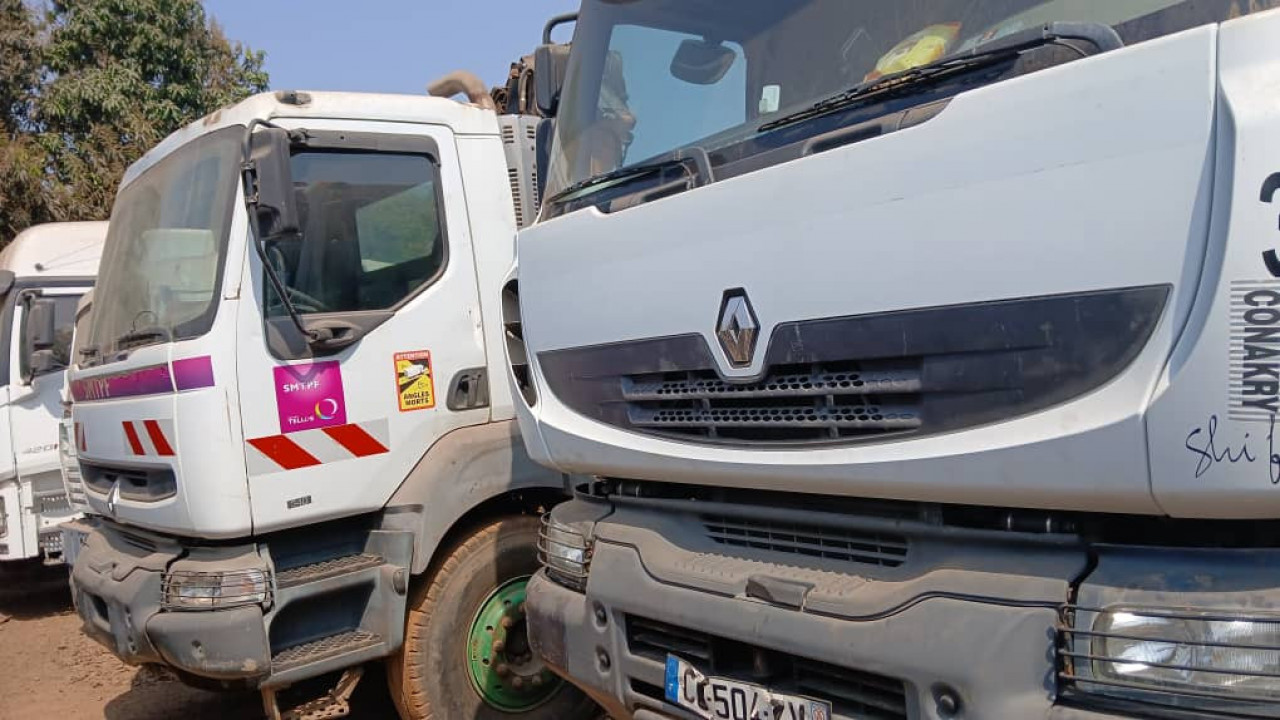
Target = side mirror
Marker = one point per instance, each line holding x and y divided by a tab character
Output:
550	63
39	336
699	62
40	331
269	183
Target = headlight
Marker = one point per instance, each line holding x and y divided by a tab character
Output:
565	552
184	590
1180	656
67	455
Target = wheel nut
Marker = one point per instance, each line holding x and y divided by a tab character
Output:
517	682
499	646
503	670
536	680
507	622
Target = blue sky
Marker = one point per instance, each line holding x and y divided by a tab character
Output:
385	45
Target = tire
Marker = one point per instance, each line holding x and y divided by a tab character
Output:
430	677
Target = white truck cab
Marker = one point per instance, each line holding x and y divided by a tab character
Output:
924	354
43	273
287	432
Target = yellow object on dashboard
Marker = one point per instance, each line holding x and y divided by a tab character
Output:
918	49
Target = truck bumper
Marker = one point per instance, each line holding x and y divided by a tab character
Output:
332	596
908	645
116	584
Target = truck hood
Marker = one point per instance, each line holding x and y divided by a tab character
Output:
1011	275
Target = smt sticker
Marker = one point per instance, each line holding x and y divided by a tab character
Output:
310	396
415	383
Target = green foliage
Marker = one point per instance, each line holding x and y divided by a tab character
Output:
88	86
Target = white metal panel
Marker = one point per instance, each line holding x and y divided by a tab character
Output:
489	207
1213	455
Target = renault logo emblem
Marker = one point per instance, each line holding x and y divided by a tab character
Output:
113	498
737	328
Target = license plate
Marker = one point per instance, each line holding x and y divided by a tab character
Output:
717	698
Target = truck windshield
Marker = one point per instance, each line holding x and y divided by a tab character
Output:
162	264
649	77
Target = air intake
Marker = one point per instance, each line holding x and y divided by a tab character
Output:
840	544
513	332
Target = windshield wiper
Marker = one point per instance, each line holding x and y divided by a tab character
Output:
1102	36
143	336
681	159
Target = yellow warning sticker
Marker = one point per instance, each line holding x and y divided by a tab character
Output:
415	384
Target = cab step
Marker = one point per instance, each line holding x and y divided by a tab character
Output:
323	649
326	569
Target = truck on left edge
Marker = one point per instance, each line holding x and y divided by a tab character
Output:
43	273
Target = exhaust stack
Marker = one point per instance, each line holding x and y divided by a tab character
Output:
466	83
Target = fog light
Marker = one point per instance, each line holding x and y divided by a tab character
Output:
565	552
184	590
1171	650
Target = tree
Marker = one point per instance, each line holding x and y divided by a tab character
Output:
111	79
21	159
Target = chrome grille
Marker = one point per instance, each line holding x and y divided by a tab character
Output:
854	694
842	544
792	403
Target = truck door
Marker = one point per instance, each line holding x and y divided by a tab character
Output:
34	410
383	263
9	522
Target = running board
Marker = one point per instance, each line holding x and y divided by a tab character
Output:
352	641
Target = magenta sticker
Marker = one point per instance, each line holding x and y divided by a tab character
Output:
310	396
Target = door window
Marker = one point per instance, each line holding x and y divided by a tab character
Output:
371	235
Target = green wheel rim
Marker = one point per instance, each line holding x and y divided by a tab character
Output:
503	669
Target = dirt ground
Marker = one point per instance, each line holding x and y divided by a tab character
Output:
50	671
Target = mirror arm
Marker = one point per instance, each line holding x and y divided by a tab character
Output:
249	174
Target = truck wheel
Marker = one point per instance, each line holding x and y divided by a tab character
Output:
465	651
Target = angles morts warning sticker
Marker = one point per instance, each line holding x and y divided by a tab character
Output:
415	382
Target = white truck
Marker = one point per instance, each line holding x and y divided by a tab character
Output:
924	354
288	436
43	272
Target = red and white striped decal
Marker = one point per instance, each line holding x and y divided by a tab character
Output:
148	438
276	453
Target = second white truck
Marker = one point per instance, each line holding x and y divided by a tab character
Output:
43	273
290	431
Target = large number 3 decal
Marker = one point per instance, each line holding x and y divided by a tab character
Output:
1269	190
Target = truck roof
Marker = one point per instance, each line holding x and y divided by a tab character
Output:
463	118
68	249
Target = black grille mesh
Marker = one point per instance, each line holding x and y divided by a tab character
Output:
792	404
869	548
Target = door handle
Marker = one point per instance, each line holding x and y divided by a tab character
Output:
333	335
469	390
